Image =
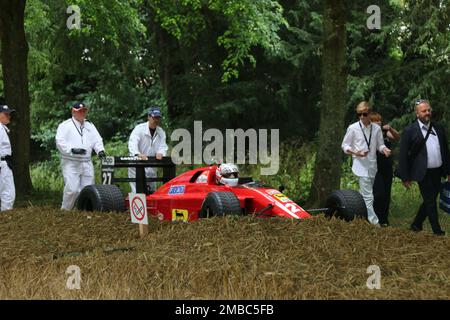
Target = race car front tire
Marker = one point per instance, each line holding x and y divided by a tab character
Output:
346	204
220	204
101	197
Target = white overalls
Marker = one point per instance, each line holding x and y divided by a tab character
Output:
7	188
78	170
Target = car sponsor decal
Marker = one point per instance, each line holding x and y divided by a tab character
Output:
282	197
176	190
272	191
160	216
180	215
130	158
289	208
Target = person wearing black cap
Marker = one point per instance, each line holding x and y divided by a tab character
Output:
76	138
148	139
7	188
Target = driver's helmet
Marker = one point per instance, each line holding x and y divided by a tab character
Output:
227	173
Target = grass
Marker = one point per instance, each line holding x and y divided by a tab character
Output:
405	204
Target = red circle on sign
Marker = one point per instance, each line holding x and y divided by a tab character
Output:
137	208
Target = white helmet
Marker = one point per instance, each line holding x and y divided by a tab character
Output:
227	173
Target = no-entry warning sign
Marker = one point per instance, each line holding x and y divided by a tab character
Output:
138	208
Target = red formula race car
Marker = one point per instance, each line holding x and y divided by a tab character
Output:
196	194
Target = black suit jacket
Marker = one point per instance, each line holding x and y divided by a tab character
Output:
415	169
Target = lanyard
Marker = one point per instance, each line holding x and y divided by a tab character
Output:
365	138
6	129
429	130
79	132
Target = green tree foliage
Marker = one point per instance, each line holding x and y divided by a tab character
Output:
111	62
405	60
424	48
249	24
233	64
103	63
281	91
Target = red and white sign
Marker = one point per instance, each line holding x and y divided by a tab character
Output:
138	208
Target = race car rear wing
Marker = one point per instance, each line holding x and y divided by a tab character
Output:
110	163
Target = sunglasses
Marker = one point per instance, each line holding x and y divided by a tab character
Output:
364	114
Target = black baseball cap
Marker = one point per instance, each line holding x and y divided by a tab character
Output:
155	112
78	106
4	108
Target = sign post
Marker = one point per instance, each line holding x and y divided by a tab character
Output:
138	212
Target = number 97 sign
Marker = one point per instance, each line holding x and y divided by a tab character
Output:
138	208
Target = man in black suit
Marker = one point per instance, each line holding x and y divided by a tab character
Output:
425	158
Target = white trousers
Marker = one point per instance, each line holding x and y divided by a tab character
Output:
77	175
149	173
366	190
7	188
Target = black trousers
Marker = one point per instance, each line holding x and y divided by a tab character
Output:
429	189
382	195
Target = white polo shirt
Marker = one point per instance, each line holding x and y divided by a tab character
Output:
354	140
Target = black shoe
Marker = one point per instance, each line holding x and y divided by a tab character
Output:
439	233
415	228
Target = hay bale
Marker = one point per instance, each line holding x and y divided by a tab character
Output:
218	258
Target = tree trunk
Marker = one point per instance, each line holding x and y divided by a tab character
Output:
327	172
170	66
14	55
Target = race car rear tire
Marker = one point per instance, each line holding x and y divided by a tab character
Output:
220	204
346	204
101	197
